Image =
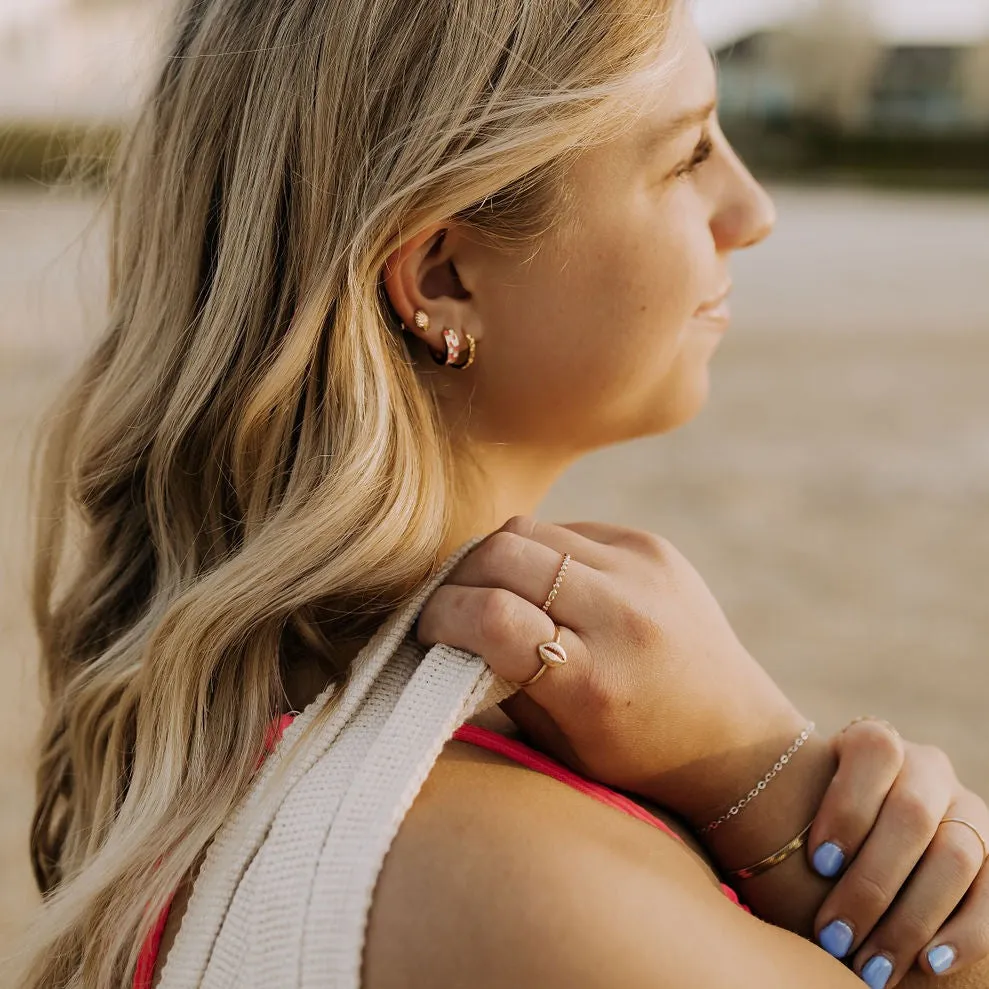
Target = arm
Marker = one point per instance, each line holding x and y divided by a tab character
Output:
659	698
906	874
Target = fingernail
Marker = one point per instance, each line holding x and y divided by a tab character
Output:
836	938
877	971
941	958
828	859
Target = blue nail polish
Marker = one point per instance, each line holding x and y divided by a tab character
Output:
828	859
836	938
941	958
877	971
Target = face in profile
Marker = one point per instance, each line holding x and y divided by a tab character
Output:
606	332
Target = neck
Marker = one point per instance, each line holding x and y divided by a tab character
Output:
498	482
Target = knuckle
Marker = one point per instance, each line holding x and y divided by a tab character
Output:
938	760
650	544
878	741
520	525
961	858
497	618
503	550
909	931
914	811
872	897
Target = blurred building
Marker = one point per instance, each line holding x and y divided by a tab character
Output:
876	69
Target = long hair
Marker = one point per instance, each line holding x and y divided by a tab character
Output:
247	466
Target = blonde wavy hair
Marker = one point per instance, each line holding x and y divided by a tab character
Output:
247	467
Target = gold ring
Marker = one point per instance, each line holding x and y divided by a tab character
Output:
550	654
561	573
971	827
871	717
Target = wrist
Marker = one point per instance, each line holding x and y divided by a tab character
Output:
746	750
791	893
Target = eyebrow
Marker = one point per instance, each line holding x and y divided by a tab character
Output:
671	128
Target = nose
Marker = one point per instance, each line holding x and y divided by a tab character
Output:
747	213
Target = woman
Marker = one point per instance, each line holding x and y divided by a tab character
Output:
268	469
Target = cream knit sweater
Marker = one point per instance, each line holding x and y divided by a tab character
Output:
283	895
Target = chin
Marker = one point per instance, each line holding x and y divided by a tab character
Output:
682	401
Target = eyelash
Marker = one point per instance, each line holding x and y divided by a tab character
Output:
702	152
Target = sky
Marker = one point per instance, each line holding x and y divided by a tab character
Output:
897	20
724	20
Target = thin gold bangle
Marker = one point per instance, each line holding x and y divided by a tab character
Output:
771	861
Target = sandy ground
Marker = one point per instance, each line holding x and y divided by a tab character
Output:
835	493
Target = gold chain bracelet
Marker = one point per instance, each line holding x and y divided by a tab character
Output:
782	762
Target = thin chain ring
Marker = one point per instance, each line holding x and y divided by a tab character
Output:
560	574
551	654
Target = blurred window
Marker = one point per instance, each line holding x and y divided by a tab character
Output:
919	87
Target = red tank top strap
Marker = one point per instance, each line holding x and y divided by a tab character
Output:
521	753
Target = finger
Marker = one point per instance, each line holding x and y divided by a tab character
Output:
589	549
505	631
541	729
907	824
964	939
870	758
936	887
528	569
614	535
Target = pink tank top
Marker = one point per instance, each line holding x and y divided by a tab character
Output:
473	735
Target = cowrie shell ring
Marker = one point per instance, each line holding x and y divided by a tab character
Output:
551	653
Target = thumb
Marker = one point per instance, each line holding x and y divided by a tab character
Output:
538	725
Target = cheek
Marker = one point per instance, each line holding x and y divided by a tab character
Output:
635	283
598	330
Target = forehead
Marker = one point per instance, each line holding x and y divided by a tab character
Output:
685	84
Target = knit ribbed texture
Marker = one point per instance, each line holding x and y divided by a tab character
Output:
283	896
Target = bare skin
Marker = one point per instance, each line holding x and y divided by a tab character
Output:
605	332
598	900
625	311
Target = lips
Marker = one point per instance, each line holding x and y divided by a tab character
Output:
717	308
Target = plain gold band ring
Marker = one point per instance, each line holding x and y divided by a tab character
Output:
876	719
551	654
971	827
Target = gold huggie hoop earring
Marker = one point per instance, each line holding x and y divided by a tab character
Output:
472	350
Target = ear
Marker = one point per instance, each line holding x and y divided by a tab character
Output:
422	274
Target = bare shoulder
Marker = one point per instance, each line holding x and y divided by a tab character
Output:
501	876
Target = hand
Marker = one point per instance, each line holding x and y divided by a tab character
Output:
658	696
907	872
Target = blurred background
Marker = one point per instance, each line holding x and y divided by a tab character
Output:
835	493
